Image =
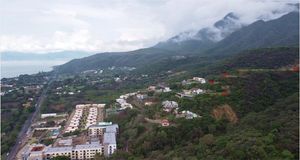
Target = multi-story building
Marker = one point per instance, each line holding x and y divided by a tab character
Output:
75	152
102	127
102	140
75	121
92	117
51	152
108	132
110	143
78	152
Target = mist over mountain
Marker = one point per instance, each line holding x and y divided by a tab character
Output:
204	38
283	31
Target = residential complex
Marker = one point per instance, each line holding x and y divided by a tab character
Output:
92	111
100	137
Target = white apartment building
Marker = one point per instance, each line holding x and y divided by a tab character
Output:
101	128
57	151
48	115
120	100
92	117
77	152
75	121
108	132
109	142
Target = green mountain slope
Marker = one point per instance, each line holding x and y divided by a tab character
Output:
135	58
266	104
279	32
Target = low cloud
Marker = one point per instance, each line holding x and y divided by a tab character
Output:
100	26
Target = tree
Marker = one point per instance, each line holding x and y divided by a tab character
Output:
99	156
208	139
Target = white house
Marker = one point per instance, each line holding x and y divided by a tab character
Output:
151	88
168	106
126	105
48	115
167	89
189	114
148	103
120	100
141	96
198	79
71	93
190	93
197	91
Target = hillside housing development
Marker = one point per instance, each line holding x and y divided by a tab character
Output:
103	142
92	110
95	137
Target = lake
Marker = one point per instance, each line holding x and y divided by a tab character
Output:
15	68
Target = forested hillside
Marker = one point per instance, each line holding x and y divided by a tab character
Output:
262	124
279	32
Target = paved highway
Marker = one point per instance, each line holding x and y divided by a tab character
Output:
26	126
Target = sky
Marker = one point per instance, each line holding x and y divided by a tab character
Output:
116	25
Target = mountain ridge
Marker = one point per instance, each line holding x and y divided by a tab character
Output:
283	34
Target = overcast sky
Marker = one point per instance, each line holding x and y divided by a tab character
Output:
116	25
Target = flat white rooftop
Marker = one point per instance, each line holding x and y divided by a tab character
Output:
109	138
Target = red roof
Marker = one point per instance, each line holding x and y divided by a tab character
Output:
165	121
37	148
211	81
295	68
225	93
225	74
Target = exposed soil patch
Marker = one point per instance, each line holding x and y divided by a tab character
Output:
225	111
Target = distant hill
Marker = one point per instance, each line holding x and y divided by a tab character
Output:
17	56
135	58
283	31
